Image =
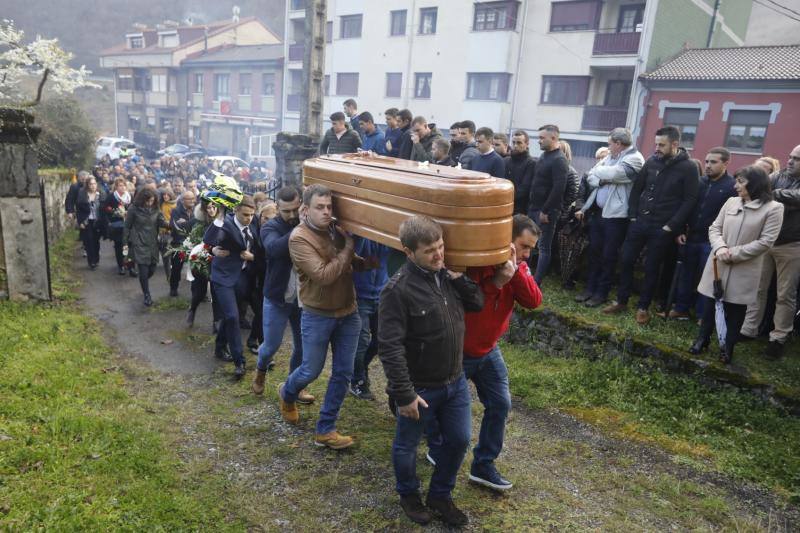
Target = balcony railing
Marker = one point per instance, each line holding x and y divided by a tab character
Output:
293	102
603	118
606	44
296	52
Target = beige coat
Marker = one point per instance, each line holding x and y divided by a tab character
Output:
748	230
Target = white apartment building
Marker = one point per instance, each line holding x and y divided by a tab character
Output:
450	60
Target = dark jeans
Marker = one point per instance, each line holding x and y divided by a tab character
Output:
545	244
367	340
175	272
449	408
734	318
228	298
115	234
199	291
695	256
275	319
145	273
606	236
257	302
90	235
640	234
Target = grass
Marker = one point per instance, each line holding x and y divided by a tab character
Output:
77	451
679	335
741	435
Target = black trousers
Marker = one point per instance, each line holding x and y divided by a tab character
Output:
145	273
640	234
734	318
90	235
175	272
115	234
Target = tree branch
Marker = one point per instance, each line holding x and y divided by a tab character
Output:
39	90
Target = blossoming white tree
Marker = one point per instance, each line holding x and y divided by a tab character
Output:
42	59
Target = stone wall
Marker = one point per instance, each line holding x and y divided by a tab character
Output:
566	336
55	186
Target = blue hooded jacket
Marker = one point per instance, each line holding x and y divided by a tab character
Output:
370	283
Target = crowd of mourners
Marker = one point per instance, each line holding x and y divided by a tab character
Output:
710	241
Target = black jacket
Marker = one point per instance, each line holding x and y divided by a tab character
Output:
72	197
180	231
404	152
549	182
447	162
519	171
421	329
787	191
349	143
665	191
423	150
275	241
711	196
83	208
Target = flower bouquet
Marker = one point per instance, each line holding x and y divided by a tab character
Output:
200	261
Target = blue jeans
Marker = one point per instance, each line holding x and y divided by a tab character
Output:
449	408
695	255
545	244
367	339
275	318
318	331
640	234
605	240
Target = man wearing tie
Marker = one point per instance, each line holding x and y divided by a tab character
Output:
234	246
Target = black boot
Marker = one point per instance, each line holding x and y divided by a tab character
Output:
726	354
148	301
700	345
190	318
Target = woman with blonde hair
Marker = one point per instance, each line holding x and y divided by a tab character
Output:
769	164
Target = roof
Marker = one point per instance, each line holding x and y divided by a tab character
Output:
260	52
743	63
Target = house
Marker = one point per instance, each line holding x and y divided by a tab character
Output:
156	73
746	99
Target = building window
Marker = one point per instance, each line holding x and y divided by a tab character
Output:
427	20
298	5
350	27
198	84
158	83
168	40
422	84
222	86
167	125
125	82
397	25
488	86
245	84
347	84
686	121
565	90
575	15
394	84
329	32
747	130
618	93
136	42
630	18
268	84
495	16
326	85
134	123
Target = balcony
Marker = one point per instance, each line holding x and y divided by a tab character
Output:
293	102
613	43
296	51
603	118
296	5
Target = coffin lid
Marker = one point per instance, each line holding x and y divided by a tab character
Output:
408	179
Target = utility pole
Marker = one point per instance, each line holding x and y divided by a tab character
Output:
313	69
713	23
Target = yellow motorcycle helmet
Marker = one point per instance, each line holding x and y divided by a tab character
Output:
224	191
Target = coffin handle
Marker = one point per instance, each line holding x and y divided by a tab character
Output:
356	181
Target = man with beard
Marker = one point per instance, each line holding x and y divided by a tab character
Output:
280	290
520	167
456	146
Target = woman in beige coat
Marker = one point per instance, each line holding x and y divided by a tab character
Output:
744	229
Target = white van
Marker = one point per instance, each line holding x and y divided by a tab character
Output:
111	146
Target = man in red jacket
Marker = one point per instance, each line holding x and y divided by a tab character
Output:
502	287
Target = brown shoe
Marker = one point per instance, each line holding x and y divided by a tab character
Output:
258	382
678	315
288	409
333	440
642	317
615	308
305	398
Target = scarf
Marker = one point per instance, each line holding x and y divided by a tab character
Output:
125	199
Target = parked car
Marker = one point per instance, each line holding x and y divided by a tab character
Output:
229	160
111	146
173	149
193	155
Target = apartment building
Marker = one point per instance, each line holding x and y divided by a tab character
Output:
506	64
215	84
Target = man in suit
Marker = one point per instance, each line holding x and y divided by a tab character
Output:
234	242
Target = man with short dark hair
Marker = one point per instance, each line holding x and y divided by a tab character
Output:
180	224
393	132
547	192
441	153
500	144
232	237
716	186
456	146
280	290
340	138
374	140
421	340
422	137
519	170
404	118
350	108
783	259
662	198
466	134
488	161
323	255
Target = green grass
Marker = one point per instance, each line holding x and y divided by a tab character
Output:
679	335
63	282
741	435
77	451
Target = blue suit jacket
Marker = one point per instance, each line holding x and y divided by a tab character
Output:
226	270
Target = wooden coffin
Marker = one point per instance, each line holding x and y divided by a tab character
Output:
372	195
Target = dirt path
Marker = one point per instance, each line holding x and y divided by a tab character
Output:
567	474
